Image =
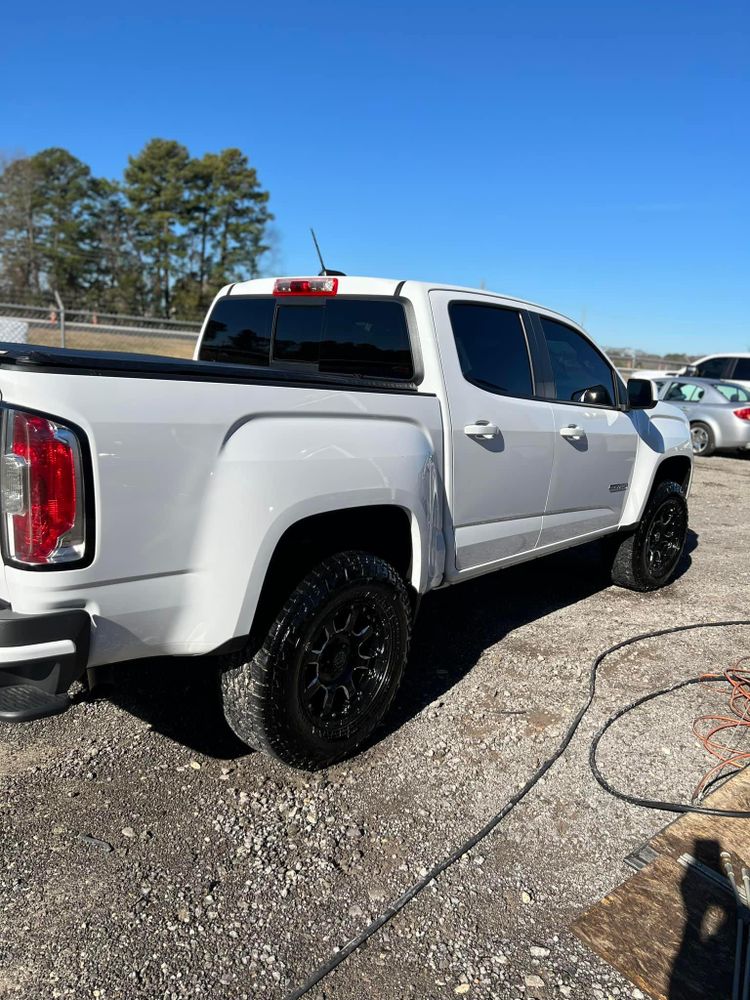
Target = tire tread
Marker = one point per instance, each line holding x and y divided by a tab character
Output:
626	564
252	683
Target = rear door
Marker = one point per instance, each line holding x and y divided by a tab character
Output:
595	442
502	434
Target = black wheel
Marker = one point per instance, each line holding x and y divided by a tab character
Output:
646	559
329	666
702	437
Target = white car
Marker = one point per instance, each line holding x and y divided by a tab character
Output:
727	367
338	447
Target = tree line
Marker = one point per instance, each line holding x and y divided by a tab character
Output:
160	242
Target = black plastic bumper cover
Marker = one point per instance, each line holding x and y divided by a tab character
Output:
31	687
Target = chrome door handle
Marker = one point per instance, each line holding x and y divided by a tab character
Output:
481	430
572	432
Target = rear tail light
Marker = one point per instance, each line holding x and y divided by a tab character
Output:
41	491
743	414
305	286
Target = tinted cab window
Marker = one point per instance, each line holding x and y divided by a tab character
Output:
362	337
239	331
580	372
742	369
491	347
366	337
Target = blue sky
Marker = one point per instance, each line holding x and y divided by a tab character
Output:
590	156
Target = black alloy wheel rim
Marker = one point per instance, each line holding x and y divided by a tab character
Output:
346	664
666	537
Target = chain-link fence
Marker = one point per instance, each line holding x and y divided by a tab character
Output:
629	364
52	326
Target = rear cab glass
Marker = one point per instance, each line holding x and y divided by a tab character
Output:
239	331
345	336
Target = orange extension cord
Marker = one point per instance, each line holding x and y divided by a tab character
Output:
723	735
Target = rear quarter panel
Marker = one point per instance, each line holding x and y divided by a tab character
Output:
196	481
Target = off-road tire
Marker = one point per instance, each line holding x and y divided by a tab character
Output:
633	565
263	694
706	435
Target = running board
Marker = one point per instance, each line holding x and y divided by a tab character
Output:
24	702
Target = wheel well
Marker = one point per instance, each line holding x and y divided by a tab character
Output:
677	468
383	530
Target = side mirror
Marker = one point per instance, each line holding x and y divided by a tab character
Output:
596	395
641	394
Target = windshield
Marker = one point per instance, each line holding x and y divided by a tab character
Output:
733	393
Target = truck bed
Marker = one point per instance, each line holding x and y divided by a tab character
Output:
61	360
196	471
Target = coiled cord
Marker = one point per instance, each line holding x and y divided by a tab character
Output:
395	907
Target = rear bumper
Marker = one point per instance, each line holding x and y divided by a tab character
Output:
47	652
736	435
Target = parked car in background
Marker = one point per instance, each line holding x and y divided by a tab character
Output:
727	367
719	412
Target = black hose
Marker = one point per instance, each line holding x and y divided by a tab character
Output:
395	907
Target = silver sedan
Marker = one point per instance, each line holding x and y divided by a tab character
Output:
719	412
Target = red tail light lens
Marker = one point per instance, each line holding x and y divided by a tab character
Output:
42	491
306	286
743	414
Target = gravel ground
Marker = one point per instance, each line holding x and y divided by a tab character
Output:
145	853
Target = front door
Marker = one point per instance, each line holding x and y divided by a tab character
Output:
502	438
595	442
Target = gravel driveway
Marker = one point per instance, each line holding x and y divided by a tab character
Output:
145	853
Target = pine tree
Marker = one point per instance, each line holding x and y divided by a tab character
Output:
156	191
161	243
65	191
119	281
20	254
226	225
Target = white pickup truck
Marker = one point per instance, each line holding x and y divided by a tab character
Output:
338	447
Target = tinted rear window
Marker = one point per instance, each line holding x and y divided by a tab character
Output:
491	347
742	369
298	330
239	331
366	337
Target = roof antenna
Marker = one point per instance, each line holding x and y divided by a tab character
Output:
323	269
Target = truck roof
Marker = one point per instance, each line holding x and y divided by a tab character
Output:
362	285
